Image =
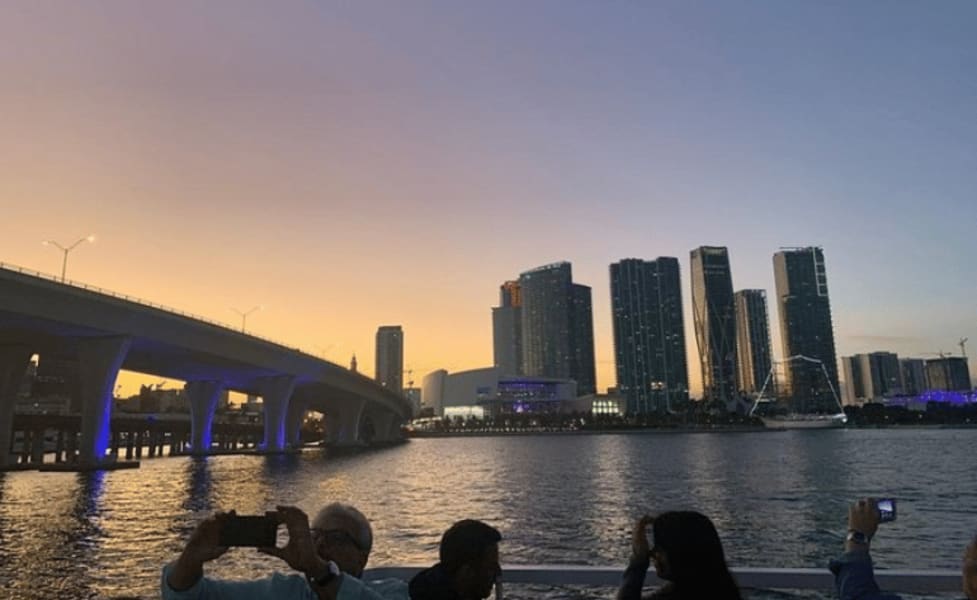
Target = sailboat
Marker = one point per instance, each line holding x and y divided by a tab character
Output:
783	413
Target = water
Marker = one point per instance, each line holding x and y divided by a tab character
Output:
778	499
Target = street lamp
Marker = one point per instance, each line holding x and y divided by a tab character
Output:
244	315
64	262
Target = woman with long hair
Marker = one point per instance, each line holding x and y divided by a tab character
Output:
687	554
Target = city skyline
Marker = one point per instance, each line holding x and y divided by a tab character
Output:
348	166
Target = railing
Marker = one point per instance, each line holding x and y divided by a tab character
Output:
894	580
147	303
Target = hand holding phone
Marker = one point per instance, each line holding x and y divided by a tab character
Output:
887	509
251	531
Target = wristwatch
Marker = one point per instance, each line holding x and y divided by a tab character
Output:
332	572
858	537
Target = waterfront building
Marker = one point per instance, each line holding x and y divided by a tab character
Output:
913	374
432	391
872	377
507	329
806	329
948	373
649	334
752	341
854	390
390	357
715	323
557	326
488	392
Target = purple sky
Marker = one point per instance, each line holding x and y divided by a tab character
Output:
351	164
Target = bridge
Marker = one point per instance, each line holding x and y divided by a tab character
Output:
106	332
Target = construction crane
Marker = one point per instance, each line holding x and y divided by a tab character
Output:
963	346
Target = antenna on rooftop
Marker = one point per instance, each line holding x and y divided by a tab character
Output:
963	346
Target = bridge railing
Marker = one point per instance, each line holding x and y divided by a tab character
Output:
758	578
147	303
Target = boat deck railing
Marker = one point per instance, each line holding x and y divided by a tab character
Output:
759	578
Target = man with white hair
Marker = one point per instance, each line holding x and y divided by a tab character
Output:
329	557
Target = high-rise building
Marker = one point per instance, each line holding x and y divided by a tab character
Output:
557	326
583	367
806	329
390	357
854	390
913	372
752	341
872	376
507	329
715	323
948	373
649	334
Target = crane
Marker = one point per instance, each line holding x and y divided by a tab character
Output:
963	346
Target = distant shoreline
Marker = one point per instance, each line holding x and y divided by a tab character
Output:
668	430
628	431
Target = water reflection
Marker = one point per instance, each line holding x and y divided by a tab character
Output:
199	492
778	499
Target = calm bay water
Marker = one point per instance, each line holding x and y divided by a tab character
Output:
778	499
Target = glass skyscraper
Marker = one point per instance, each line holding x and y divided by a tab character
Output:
715	323
806	329
557	327
649	334
752	341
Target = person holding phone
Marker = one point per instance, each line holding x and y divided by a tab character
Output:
687	554
853	571
328	558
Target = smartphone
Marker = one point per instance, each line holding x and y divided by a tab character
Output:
249	531
887	509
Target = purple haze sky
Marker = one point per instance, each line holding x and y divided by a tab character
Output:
351	164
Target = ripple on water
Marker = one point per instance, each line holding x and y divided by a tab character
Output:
559	499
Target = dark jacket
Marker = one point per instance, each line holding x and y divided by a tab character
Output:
432	584
855	578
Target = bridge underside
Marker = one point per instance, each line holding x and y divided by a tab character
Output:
286	400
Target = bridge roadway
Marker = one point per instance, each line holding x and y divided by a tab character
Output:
106	332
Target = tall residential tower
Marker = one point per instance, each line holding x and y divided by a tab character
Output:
752	341
806	329
507	329
715	323
390	357
557	326
649	334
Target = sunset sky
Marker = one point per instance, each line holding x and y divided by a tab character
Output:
354	164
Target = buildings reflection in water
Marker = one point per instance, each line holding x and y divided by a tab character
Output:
199	487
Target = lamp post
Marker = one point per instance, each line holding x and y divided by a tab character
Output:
66	250
244	315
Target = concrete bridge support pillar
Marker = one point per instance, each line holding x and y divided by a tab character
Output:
14	360
293	422
275	394
343	422
382	421
99	360
203	397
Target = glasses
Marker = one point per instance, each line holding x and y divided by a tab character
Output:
334	537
